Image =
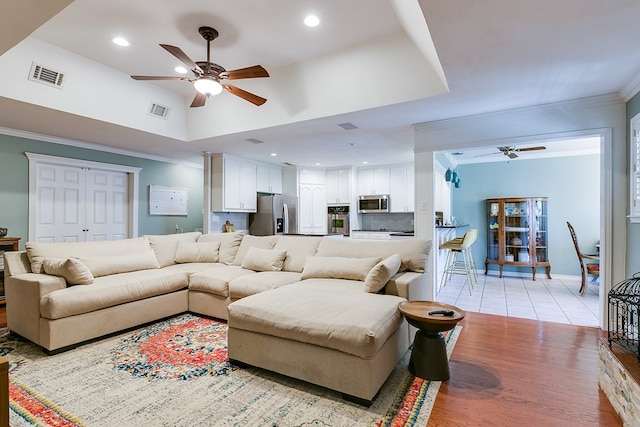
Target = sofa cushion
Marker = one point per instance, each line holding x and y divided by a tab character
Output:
263	259
250	284
298	249
72	269
216	280
165	246
248	242
37	251
104	265
197	252
326	312
414	252
338	267
229	244
109	291
380	274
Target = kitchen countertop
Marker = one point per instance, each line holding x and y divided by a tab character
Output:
453	226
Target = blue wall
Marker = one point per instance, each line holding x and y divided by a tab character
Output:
14	184
572	185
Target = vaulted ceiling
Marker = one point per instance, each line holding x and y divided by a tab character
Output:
382	65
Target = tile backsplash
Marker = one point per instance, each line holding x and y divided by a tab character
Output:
387	221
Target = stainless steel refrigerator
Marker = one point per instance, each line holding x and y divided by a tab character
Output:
277	214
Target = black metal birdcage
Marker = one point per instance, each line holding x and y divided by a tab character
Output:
624	303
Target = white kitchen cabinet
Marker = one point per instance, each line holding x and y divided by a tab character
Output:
338	186
312	176
361	235
269	178
373	180
312	209
401	188
233	184
370	235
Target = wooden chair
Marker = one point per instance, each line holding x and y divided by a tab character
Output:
585	268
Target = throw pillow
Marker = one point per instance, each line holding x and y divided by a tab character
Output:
71	269
104	265
258	259
381	273
338	267
197	252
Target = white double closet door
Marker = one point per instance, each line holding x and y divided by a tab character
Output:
74	201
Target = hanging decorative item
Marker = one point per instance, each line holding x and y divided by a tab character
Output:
458	183
3	232
448	176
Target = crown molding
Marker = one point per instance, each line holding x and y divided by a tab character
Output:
595	101
630	90
95	147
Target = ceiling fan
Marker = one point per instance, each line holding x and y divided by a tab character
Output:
511	151
208	77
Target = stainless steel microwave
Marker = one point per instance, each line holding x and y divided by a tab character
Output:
373	204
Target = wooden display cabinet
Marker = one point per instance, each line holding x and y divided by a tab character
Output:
517	233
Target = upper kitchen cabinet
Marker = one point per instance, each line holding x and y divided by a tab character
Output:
312	176
338	186
269	178
233	184
401	188
374	180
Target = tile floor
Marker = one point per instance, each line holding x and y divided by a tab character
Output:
555	300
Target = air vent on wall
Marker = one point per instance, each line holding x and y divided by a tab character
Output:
158	110
42	74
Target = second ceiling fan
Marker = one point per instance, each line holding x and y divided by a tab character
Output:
208	77
511	151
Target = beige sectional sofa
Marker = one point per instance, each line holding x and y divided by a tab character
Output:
320	309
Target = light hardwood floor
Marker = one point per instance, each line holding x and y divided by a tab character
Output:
519	372
507	371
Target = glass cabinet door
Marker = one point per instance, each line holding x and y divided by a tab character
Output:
540	211
493	234
516	228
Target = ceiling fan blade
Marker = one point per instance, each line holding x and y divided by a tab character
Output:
512	155
487	154
247	96
531	149
245	73
199	100
178	53
158	78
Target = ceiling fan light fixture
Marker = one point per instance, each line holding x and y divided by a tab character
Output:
208	86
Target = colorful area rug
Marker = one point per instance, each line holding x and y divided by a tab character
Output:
176	373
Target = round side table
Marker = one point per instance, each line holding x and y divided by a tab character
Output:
429	353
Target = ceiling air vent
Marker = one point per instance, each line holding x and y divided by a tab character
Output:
347	126
42	74
158	110
254	141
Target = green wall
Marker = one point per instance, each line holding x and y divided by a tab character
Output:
14	184
572	185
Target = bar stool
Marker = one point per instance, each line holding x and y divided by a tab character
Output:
466	265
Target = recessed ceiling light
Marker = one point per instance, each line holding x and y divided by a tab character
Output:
351	144
311	21
365	162
318	163
273	154
121	41
181	70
